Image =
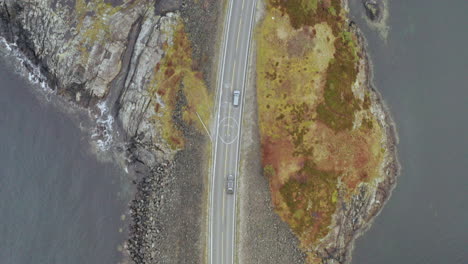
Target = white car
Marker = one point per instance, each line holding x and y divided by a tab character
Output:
236	98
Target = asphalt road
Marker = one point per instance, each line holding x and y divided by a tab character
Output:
234	57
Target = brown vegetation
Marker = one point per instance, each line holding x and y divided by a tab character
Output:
174	74
319	138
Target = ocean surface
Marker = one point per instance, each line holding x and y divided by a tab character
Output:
58	203
422	73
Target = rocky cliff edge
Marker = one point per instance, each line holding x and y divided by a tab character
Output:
103	56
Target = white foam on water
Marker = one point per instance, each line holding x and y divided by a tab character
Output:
5	44
26	68
102	133
103	130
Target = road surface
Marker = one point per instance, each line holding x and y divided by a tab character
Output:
234	57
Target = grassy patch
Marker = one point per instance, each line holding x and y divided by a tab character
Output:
269	171
311	201
96	13
94	22
175	76
308	12
307	63
339	106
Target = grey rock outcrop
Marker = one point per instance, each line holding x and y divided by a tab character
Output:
70	43
373	9
92	51
101	55
134	103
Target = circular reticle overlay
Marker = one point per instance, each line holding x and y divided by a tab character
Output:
228	128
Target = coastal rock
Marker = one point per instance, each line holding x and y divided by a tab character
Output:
102	55
355	216
96	50
164	6
134	103
78	44
373	10
93	51
146	229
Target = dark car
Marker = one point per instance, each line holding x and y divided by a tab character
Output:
230	184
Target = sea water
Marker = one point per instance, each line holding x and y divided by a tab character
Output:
422	72
58	203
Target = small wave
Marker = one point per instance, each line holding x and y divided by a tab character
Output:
6	45
103	131
25	67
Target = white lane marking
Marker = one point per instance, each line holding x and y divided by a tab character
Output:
239	129
230	125
221	71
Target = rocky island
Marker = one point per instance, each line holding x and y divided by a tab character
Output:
325	137
318	153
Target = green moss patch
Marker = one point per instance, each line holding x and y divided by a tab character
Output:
311	200
175	73
309	12
339	106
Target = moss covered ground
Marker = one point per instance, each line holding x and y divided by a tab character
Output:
319	139
176	83
96	27
93	22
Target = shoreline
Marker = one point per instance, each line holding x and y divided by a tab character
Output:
338	246
147	184
391	165
93	121
81	119
356	217
162	226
